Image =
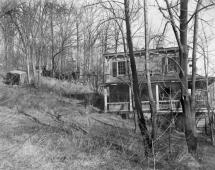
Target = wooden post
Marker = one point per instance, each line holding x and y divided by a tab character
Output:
130	99
105	99
157	96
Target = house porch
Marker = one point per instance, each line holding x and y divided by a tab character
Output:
118	98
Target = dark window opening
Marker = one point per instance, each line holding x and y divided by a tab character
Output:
164	64
144	94
172	67
118	68
170	92
165	93
121	67
169	64
119	93
114	68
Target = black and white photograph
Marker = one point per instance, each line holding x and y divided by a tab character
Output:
107	84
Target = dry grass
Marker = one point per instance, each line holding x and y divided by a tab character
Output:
64	86
25	144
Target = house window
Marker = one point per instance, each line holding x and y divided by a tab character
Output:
121	67
172	67
114	68
118	68
169	64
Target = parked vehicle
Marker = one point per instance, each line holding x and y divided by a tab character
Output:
15	77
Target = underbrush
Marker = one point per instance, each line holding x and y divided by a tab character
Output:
27	144
73	89
51	149
43	139
64	87
109	142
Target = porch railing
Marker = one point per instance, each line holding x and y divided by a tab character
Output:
173	105
118	106
163	105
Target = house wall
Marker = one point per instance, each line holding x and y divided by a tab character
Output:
159	64
211	91
108	69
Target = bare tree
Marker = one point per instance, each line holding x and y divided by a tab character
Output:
151	98
205	53
141	119
187	101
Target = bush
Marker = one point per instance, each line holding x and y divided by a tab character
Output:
73	89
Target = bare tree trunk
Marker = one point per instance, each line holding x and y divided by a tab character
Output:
5	52
52	42
194	57
39	70
151	98
104	49
116	38
186	100
28	66
189	114
78	59
193	96
24	46
210	113
141	119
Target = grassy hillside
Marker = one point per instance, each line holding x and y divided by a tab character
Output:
43	129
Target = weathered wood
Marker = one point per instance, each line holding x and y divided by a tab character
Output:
165	106
157	96
130	99
105	99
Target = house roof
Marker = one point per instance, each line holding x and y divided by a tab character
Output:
200	80
142	52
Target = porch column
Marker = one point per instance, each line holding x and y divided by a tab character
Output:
105	99
157	96
130	99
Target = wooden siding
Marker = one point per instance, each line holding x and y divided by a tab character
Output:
158	65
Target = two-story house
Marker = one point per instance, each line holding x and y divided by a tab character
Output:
164	78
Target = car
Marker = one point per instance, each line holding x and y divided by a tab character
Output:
15	77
